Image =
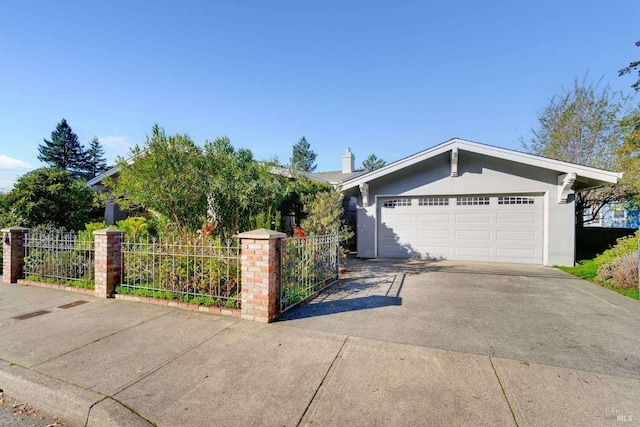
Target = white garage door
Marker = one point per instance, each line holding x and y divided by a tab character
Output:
505	228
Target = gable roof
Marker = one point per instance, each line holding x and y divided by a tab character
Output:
593	175
98	179
334	177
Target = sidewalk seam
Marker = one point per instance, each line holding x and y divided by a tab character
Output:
325	378
157	368
503	391
133	411
99	339
91	407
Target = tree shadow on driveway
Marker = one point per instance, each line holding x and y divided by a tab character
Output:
368	284
350	295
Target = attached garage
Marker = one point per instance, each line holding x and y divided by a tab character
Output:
462	200
503	228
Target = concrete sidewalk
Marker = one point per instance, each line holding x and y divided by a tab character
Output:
109	362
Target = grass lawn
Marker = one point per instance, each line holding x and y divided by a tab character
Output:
588	270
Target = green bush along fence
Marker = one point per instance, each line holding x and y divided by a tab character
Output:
308	265
200	270
59	256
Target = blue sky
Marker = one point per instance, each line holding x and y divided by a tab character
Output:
390	78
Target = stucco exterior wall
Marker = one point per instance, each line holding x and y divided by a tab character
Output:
480	175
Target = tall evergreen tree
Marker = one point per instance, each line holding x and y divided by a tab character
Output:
95	162
64	150
303	157
372	163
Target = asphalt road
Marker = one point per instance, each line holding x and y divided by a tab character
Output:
12	417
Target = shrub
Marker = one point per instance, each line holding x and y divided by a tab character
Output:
608	261
624	271
135	226
87	233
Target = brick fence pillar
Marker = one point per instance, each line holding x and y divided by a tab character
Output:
108	262
12	253
260	261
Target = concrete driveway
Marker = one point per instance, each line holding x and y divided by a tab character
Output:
557	344
397	343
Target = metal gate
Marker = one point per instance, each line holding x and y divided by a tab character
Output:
308	264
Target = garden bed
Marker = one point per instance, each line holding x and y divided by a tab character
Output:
615	268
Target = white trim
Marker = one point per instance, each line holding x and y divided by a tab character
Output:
376	217
103	175
454	162
364	190
565	186
545	229
474	147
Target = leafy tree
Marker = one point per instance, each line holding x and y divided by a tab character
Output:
303	157
217	185
372	163
165	177
94	162
238	187
51	196
629	158
8	215
325	214
582	126
629	68
629	153
300	189
64	150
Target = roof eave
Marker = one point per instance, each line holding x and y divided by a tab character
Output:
603	176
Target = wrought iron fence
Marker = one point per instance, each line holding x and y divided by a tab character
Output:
200	270
59	256
308	265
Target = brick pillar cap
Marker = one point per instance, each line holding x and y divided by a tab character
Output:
108	230
10	229
262	233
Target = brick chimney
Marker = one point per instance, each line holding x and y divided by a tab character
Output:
348	161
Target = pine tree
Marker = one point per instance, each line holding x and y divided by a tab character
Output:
303	156
372	163
64	150
95	162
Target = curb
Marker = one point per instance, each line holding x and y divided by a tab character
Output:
76	406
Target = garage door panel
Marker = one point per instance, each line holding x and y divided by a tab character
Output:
521	254
462	218
433	251
397	251
517	218
406	217
468	251
528	236
433	234
429	218
400	234
482	235
510	232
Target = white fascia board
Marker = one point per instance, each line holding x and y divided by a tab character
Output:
541	162
398	165
488	150
98	179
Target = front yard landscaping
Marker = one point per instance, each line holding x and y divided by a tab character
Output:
615	268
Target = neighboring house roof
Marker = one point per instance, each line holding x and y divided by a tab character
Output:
585	176
334	177
98	179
